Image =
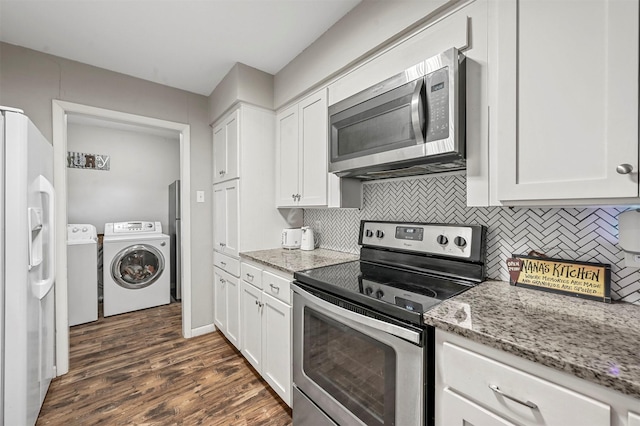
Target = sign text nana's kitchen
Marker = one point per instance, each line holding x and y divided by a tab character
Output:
81	160
582	279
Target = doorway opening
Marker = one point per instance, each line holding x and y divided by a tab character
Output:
61	112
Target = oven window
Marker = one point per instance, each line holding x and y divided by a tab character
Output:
355	369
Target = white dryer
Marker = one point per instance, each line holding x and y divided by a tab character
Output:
136	267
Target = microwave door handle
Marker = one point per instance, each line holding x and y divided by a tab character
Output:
416	117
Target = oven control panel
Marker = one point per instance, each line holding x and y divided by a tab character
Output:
441	239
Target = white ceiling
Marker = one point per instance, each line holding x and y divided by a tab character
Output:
187	44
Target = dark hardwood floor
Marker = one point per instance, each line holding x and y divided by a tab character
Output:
136	368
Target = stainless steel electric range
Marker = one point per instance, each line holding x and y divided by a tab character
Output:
362	354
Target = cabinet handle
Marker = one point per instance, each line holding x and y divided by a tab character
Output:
298	196
250	277
223	263
257	302
293	196
624	169
529	404
275	288
222	281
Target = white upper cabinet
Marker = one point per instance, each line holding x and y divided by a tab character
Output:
288	167
244	218
302	166
564	113
226	217
225	148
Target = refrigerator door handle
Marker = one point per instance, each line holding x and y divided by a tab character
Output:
42	287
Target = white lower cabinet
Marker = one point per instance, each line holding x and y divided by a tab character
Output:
479	385
226	303
265	327
459	411
634	419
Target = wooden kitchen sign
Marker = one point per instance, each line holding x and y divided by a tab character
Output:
582	279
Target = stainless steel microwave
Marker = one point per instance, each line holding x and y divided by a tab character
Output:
412	123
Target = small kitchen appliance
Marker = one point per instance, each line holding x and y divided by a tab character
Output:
362	354
412	123
307	241
291	238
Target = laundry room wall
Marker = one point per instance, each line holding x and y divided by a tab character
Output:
30	80
142	165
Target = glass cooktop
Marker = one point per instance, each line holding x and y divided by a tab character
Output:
400	293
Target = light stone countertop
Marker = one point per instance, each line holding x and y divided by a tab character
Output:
595	341
298	260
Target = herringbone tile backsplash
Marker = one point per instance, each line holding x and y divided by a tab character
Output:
569	233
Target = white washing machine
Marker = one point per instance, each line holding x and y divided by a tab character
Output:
82	273
135	267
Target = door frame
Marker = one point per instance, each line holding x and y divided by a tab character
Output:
60	111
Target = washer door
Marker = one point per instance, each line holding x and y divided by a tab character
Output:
137	266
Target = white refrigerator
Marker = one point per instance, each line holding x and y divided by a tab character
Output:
27	265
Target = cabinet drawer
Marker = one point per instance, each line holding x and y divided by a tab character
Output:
251	274
493	384
226	263
276	286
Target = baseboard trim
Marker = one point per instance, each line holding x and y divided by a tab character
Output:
209	328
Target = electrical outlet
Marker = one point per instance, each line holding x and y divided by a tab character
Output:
317	226
199	196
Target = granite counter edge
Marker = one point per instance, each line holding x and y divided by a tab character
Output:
618	384
266	263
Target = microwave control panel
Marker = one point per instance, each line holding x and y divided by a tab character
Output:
437	85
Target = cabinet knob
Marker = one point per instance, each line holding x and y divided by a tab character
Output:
624	169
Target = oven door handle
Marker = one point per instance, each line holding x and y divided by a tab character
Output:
394	330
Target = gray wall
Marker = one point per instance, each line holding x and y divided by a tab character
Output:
364	29
136	186
589	235
241	84
30	80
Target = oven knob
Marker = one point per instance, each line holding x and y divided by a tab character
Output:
379	234
442	240
368	233
368	291
379	294
460	242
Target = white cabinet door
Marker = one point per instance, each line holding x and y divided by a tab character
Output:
276	346
634	419
219	300
219	152
566	111
232	125
232	215
219	217
459	411
251	324
226	306
225	148
225	217
233	309
288	161
313	130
